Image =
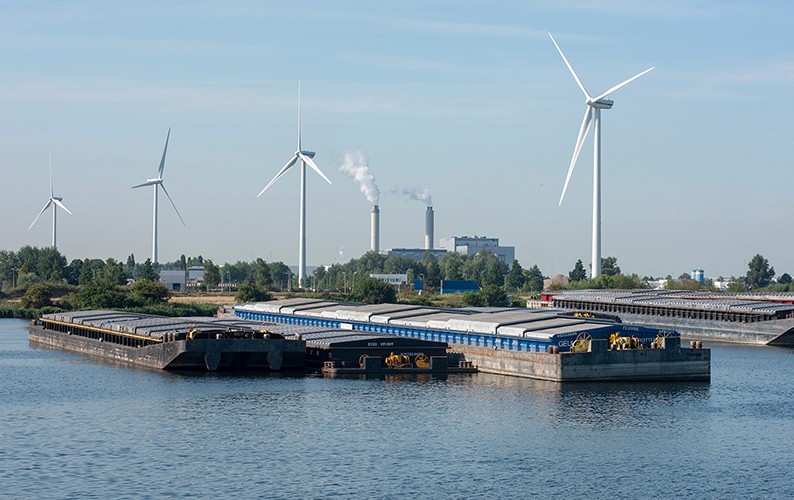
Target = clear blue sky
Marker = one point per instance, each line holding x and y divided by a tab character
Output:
468	99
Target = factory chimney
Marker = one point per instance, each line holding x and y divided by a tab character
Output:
374	230
429	228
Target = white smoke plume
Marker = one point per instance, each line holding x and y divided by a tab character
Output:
355	166
419	194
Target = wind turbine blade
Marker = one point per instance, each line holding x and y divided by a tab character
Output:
172	204
570	68
583	130
49	202
147	183
162	161
51	195
310	162
622	84
57	202
299	115
279	174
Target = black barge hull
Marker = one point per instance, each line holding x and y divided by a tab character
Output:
203	354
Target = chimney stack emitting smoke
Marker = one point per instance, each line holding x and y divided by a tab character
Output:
429	228
374	236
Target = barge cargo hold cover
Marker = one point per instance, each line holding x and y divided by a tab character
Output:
755	318
209	344
521	342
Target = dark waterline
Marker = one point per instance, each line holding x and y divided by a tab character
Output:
76	427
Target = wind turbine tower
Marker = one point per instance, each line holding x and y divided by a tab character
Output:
592	114
157	184
305	158
54	202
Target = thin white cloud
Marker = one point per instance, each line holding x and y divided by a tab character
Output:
669	9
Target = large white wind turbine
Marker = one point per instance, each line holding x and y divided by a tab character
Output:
592	114
305	158
157	182
55	202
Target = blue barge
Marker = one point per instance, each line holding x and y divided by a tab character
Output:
520	342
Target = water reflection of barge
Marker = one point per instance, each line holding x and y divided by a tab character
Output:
209	344
519	342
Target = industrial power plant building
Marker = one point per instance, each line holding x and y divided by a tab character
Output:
471	245
464	245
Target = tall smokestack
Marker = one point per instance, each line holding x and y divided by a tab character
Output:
374	230
429	228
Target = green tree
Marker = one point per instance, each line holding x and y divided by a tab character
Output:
9	267
578	273
534	279
248	291
451	266
682	284
212	274
148	293
130	267
114	272
73	271
486	268
261	273
515	277
281	274
609	266
37	295
493	296
784	279
100	294
759	274
26	279
373	291
91	269
147	271
736	285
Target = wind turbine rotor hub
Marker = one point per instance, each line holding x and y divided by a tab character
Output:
602	104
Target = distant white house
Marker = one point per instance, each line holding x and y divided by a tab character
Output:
397	280
721	283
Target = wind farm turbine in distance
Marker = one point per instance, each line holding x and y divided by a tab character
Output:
305	158
54	202
157	183
592	114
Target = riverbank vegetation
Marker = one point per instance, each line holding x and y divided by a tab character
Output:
35	281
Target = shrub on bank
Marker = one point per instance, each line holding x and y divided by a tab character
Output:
176	309
23	313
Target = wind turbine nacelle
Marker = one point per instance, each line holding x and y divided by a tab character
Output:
310	154
603	104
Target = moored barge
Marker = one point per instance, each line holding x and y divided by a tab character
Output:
197	343
519	342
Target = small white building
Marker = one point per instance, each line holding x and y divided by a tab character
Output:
397	280
721	283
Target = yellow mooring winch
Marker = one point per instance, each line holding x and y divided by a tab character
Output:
582	343
618	343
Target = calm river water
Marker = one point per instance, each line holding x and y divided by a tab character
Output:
74	427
